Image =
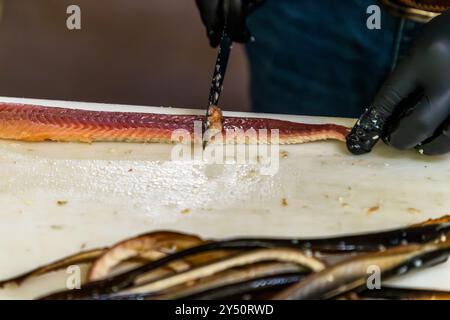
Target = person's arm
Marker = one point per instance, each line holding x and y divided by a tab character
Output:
412	109
214	17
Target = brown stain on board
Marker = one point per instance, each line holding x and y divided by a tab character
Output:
185	211
413	210
373	209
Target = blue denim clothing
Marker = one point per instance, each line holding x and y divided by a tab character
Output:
319	58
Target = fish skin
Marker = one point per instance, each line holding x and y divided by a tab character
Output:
34	123
352	273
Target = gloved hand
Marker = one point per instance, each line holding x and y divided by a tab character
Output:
214	13
412	109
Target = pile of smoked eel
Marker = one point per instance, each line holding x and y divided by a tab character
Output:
170	265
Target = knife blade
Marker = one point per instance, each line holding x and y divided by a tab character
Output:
220	69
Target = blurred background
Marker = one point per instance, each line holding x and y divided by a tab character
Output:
144	52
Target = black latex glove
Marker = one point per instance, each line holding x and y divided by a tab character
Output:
412	109
214	15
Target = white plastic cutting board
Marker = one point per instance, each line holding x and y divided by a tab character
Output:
118	190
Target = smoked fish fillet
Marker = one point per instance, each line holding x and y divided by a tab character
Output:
25	122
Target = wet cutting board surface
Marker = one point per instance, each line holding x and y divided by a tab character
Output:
60	198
